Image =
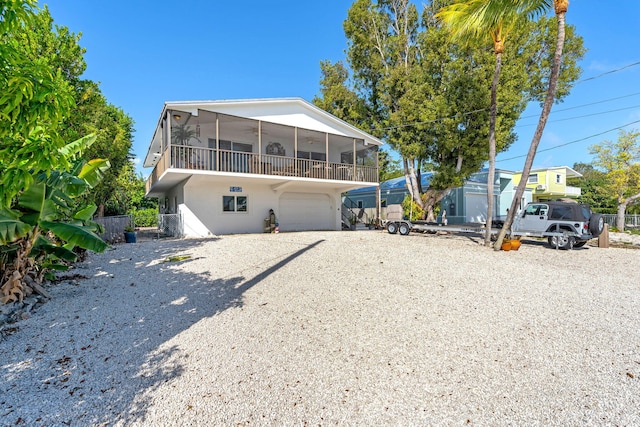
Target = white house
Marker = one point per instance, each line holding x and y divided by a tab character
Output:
224	164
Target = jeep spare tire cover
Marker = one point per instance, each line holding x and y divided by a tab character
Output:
596	224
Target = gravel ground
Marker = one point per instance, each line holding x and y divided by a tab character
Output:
332	328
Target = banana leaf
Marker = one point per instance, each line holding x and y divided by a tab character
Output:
60	252
86	214
93	171
77	235
11	228
75	148
33	197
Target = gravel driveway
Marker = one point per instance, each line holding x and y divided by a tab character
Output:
332	328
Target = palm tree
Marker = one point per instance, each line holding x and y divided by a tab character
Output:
487	16
529	7
477	20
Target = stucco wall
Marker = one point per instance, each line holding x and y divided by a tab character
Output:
204	203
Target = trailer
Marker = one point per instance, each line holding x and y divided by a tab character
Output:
404	227
565	224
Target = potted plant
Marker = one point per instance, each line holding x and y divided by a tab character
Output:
181	135
129	234
353	220
372	223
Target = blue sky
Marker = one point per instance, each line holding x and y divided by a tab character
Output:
144	53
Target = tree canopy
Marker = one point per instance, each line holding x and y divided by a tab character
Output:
620	162
35	98
81	111
428	97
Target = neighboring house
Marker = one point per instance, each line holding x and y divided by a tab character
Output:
550	183
464	204
224	164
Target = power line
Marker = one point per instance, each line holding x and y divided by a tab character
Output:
608	72
571	142
584	105
556	111
583	116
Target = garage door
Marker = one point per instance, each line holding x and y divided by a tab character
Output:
303	211
476	207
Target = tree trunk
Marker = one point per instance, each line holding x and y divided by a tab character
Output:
412	181
544	115
622	209
431	199
492	148
100	210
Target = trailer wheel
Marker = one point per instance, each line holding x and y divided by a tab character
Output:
404	229
392	228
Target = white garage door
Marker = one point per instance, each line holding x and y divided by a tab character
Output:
476	207
303	211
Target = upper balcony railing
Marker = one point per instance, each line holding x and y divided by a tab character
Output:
573	191
209	159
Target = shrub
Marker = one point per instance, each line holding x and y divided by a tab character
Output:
145	217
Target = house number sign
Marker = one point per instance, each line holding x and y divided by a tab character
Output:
235	189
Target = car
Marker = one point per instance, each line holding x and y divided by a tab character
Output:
566	225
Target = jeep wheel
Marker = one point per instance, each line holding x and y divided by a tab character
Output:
580	244
392	228
563	242
596	225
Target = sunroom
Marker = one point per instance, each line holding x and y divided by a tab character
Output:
207	141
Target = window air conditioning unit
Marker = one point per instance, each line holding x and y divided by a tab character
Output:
541	187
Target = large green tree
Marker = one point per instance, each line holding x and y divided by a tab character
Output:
92	114
35	99
426	96
593	188
620	162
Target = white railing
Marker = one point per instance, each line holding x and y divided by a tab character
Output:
208	159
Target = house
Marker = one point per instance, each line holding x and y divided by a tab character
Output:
550	183
465	204
222	165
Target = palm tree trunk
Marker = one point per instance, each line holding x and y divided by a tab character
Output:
544	115
492	148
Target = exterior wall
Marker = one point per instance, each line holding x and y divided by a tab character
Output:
171	201
204	215
547	179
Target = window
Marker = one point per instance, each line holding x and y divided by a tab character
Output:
558	178
536	210
533	178
561	212
234	203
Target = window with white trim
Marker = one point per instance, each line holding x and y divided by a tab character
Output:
558	178
234	203
533	178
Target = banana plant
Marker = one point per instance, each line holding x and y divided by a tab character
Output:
45	224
